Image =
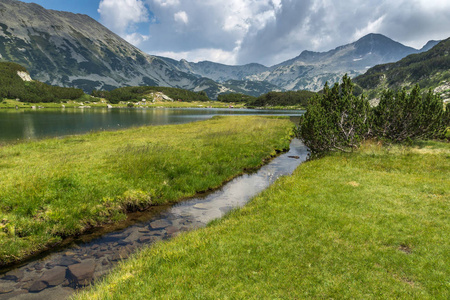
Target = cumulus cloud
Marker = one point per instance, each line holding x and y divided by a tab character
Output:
121	16
216	55
181	17
270	31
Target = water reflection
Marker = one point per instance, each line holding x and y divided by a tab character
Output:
32	124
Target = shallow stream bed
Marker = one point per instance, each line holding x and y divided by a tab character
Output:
58	273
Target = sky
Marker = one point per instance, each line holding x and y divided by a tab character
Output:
237	32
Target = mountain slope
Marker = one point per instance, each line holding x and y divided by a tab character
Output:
310	70
429	69
68	49
215	71
73	50
16	83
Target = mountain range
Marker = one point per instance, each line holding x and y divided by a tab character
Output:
74	50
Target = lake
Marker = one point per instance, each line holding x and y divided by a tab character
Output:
35	124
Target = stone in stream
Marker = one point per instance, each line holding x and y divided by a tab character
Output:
55	276
38	266
6	286
202	206
9	277
146	239
121	254
99	255
14	275
119	236
159	224
134	236
67	261
172	229
81	274
38	286
123	243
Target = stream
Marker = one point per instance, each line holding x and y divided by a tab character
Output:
57	274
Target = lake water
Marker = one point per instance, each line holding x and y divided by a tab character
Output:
34	124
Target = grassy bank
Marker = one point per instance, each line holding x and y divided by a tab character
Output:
367	225
58	187
88	102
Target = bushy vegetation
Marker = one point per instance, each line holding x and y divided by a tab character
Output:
235	98
336	119
291	98
339	120
13	87
401	116
137	93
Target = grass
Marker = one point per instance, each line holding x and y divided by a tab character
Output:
96	102
373	224
60	187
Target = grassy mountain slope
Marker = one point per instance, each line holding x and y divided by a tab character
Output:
429	69
16	83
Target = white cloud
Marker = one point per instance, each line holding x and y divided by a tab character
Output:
216	55
136	38
269	31
121	15
181	17
371	27
167	2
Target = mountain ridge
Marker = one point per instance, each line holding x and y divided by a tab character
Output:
309	70
74	50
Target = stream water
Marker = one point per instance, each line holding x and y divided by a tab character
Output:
58	274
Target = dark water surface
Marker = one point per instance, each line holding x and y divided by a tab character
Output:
57	275
39	123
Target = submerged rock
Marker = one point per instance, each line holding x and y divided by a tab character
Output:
38	286
81	274
55	276
159	224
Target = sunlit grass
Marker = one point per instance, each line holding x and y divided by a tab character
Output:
373	224
62	186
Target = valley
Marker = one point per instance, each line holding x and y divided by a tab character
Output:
126	174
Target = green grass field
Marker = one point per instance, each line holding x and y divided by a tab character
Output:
373	224
59	187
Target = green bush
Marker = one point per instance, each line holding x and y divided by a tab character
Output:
282	99
339	120
401	117
336	119
235	98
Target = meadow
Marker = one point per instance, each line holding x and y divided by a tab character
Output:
372	224
54	188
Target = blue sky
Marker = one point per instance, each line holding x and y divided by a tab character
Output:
88	7
262	31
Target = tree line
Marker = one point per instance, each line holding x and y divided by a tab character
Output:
137	93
